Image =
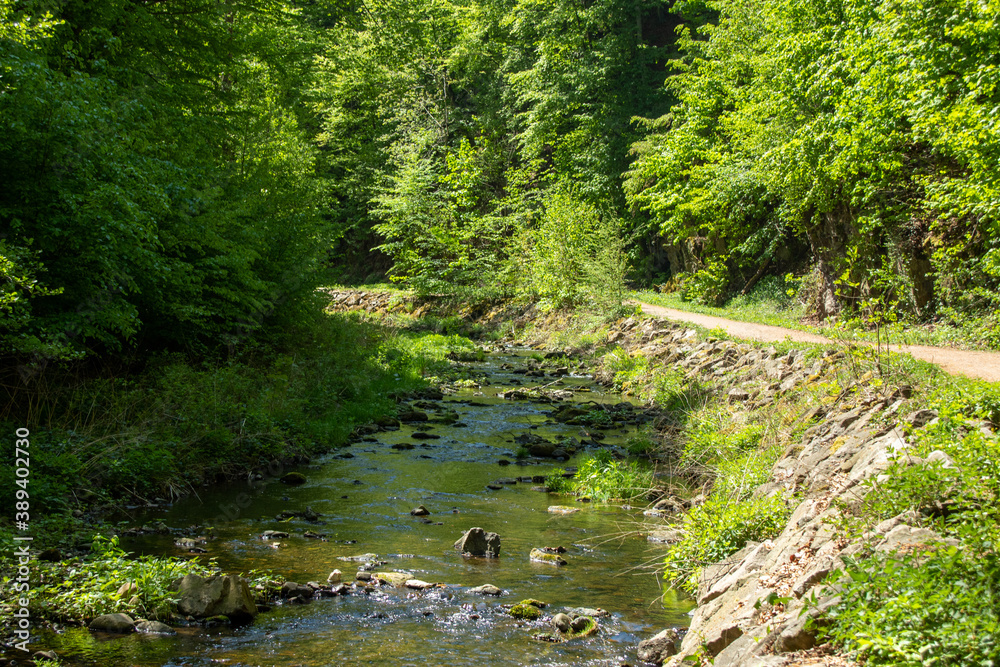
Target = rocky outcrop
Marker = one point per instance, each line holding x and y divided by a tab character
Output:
752	606
218	595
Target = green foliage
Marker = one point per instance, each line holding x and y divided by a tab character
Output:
710	439
603	478
177	424
717	529
557	482
937	608
77	593
640	444
708	284
959	495
158	187
575	256
844	127
453	128
663	385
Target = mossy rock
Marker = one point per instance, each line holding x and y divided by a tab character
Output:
525	612
583	626
539	556
293	478
394	578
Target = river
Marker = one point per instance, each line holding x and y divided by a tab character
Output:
364	495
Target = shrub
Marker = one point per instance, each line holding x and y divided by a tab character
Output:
718	529
708	284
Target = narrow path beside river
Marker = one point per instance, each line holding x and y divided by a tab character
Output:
973	364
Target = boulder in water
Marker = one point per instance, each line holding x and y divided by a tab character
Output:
477	542
540	556
154	628
293	478
487	589
117	623
202	597
293	591
562	622
658	648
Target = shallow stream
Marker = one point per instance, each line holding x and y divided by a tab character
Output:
365	503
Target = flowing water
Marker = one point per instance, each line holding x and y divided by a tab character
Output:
365	503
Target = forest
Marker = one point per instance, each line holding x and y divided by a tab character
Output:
185	183
182	175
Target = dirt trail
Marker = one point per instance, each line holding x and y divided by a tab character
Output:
981	365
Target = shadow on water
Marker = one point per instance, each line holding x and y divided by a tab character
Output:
365	503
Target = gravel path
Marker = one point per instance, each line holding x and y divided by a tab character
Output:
973	364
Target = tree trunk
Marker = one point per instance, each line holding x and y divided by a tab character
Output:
828	234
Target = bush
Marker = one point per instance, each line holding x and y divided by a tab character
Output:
707	285
718	529
577	255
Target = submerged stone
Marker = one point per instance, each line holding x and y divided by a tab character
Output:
539	556
293	478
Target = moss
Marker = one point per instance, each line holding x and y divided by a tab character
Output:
294	478
583	626
539	556
525	611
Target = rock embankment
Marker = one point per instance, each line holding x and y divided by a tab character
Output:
752	607
372	302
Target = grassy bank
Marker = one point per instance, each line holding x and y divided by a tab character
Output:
173	425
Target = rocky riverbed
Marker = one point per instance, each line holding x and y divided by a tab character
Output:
363	543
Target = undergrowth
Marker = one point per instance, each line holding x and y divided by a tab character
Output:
718	529
603	478
935	605
76	592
